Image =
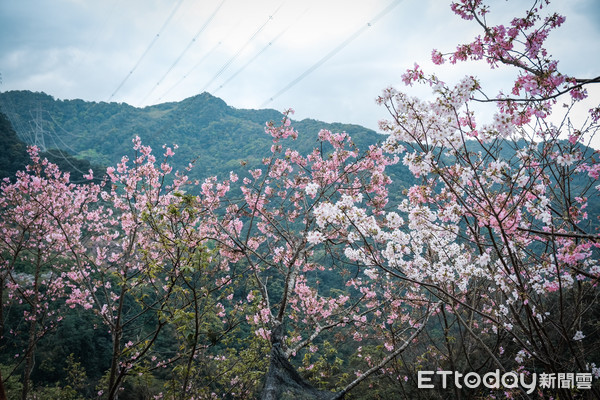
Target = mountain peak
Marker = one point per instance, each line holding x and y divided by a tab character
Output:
206	98
204	127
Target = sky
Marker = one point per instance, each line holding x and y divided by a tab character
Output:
326	59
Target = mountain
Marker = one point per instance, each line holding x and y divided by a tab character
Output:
14	152
219	137
14	156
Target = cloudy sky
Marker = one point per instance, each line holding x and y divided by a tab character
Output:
327	59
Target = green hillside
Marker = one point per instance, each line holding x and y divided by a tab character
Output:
14	156
204	127
78	134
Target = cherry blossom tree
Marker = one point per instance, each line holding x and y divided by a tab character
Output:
130	250
146	270
497	229
37	212
302	285
490	261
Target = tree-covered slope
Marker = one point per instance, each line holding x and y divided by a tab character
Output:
219	138
14	157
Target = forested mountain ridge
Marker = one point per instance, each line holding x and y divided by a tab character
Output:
217	137
14	156
222	139
204	127
313	276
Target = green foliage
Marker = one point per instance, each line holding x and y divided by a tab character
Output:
12	384
325	368
74	385
220	138
13	156
206	352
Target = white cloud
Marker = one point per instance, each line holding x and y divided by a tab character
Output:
83	49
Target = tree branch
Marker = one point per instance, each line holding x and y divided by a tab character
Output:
387	359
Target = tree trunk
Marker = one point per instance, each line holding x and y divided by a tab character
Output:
29	360
114	379
283	381
33	328
2	391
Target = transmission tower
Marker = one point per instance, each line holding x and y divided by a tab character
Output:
38	129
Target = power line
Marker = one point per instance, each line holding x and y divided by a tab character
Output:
99	33
191	70
235	56
333	52
57	124
15	119
39	133
62	155
63	148
243	67
208	21
189	104
156	37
